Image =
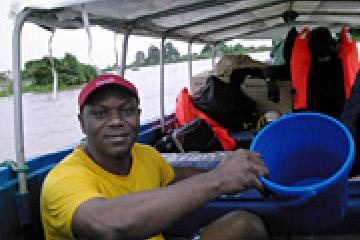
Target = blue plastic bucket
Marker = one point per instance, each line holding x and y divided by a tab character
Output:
309	156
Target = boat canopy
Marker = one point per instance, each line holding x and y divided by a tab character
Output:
201	21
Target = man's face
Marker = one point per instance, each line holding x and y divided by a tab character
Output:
111	122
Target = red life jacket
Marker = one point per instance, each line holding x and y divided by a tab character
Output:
186	111
300	65
349	56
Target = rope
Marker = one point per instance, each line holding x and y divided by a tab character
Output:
261	122
14	166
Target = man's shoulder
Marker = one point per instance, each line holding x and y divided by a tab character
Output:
147	153
73	163
144	147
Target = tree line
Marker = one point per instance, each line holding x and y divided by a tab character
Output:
69	70
37	74
172	55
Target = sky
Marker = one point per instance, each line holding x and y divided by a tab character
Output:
35	43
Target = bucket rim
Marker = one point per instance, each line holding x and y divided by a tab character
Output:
322	185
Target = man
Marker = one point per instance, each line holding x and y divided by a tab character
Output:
113	188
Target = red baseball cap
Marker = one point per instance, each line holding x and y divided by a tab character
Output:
101	81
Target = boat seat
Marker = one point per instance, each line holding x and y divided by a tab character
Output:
196	159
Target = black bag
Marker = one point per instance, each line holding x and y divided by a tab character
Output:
226	104
196	135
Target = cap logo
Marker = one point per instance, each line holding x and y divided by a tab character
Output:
105	81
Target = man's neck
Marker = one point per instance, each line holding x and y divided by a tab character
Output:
119	165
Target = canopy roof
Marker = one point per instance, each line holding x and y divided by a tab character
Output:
209	21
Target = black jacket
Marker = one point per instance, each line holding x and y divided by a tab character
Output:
351	119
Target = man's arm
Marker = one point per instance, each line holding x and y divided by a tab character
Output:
144	214
182	173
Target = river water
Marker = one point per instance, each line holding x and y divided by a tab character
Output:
50	125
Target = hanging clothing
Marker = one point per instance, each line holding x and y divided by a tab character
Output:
322	85
300	65
351	119
349	56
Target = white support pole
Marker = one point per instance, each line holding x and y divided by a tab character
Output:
18	116
52	62
162	90
86	21
124	53
190	63
213	58
116	53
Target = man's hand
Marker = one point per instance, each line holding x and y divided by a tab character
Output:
240	172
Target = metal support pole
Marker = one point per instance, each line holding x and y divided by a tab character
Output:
116	53
18	117
86	21
213	58
52	62
190	62
162	102
124	52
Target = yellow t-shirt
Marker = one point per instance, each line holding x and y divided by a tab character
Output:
77	179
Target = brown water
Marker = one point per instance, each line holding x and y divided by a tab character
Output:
50	125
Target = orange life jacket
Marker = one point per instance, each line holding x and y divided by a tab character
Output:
300	65
186	111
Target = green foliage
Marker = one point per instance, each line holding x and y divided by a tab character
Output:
206	49
355	33
37	76
3	77
39	70
37	88
224	49
153	55
171	54
237	49
7	91
139	58
70	71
